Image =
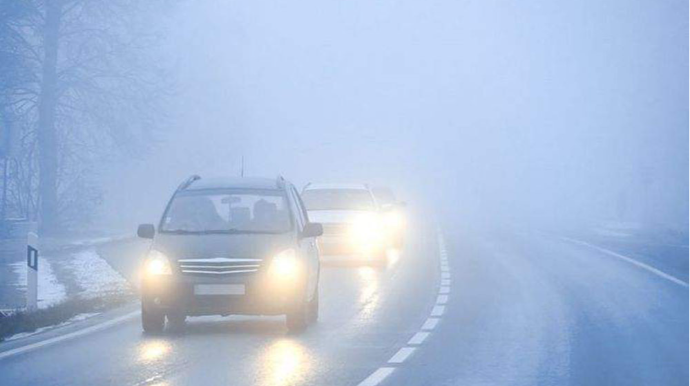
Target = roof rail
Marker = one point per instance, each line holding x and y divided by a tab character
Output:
185	184
280	181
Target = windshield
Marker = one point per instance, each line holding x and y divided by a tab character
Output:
384	195
338	199
227	211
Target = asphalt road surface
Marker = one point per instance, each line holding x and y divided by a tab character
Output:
488	308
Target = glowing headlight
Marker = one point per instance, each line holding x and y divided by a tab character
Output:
394	220
157	264
366	229
285	264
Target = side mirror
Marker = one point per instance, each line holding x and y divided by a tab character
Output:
146	231
312	229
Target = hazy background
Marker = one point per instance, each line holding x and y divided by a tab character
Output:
489	110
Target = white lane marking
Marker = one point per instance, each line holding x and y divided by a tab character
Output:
377	376
442	299
445	282
444	289
430	324
631	261
418	338
402	355
438	310
445	275
71	335
444	269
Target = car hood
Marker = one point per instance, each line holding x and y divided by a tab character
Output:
335	216
256	246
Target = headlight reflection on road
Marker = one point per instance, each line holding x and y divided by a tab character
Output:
285	362
369	297
153	350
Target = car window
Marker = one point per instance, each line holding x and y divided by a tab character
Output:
227	211
338	199
384	196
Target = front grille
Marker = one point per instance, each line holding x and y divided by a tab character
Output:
219	266
335	229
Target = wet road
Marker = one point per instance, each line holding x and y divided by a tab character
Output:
487	308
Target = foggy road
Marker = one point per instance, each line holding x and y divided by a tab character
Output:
521	308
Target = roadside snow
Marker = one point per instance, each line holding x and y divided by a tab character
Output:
100	240
94	275
50	290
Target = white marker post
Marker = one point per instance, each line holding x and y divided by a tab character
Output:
32	271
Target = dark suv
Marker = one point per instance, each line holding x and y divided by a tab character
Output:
231	246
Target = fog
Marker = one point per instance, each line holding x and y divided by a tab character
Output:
500	112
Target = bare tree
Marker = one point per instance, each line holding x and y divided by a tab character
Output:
93	89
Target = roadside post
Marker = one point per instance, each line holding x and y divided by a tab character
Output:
32	271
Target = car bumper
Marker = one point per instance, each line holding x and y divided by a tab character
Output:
343	245
176	294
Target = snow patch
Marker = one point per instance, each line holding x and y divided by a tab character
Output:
94	275
100	240
50	290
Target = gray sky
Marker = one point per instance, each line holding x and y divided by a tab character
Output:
532	109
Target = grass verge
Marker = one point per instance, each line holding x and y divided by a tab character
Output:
25	321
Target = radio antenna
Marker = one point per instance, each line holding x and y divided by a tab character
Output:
242	168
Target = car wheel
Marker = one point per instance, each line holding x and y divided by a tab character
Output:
177	321
152	321
314	307
298	317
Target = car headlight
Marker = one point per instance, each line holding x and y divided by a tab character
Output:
367	229
285	264
394	220
157	264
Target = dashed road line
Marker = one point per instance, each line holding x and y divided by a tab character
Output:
377	376
380	374
430	324
438	310
402	355
418	338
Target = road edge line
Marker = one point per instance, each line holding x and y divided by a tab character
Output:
68	336
629	260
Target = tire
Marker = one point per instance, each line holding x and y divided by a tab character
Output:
297	318
314	308
177	321
152	322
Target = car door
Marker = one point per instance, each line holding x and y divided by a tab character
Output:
307	245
